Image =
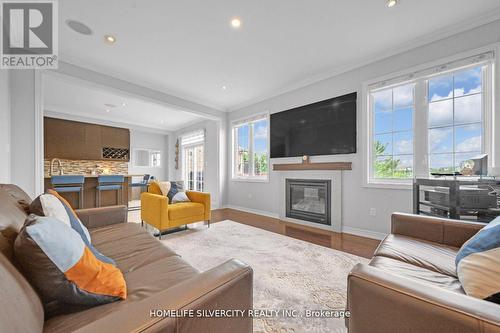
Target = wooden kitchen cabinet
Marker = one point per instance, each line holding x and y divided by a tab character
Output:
115	137
74	140
92	148
63	139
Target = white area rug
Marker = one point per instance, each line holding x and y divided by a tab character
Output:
288	273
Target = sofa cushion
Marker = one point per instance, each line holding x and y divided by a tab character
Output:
181	210
433	256
44	205
180	197
154	188
49	205
148	274
129	245
417	272
478	263
173	191
21	308
164	187
14	207
63	269
75	222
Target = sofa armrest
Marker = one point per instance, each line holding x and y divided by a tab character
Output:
225	287
103	216
434	229
379	301
203	198
154	210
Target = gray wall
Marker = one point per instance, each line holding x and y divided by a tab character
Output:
357	200
147	140
4	127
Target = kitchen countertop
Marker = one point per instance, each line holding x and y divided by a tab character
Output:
95	176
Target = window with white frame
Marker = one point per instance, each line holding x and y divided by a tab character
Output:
393	110
155	159
250	148
432	121
455	119
193	160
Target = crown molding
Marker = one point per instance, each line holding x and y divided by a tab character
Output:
415	43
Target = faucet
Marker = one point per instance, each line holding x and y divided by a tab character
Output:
52	166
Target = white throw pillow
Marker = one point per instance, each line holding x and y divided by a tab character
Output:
180	197
52	207
164	187
478	263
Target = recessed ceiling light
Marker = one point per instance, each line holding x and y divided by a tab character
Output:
223	87
124	104
107	110
236	22
109	39
79	27
392	3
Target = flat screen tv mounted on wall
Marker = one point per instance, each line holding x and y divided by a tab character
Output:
322	128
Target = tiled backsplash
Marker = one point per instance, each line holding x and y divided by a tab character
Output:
85	167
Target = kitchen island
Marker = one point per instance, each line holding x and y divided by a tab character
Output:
108	198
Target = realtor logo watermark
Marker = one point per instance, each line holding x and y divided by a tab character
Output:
29	34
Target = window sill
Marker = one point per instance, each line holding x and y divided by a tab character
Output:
251	180
389	186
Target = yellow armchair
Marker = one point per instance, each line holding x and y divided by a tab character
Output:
158	212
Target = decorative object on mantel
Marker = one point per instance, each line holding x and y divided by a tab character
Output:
305	159
177	155
313	166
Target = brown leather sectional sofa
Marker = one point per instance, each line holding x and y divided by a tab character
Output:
410	285
157	279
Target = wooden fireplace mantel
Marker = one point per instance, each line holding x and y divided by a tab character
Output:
313	166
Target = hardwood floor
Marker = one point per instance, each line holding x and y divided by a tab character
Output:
357	245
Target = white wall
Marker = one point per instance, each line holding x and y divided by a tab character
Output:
212	154
4	127
357	200
26	131
153	141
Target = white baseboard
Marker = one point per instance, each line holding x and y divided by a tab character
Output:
253	211
347	230
364	233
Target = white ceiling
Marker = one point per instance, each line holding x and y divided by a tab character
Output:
82	100
188	48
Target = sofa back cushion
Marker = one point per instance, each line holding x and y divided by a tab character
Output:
14	207
154	188
478	263
21	308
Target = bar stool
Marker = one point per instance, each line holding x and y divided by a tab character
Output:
143	184
109	183
69	184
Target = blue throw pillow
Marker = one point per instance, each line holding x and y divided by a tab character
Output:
173	191
478	263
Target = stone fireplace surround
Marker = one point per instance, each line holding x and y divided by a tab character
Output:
336	196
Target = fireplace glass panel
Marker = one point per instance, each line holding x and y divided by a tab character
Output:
308	200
